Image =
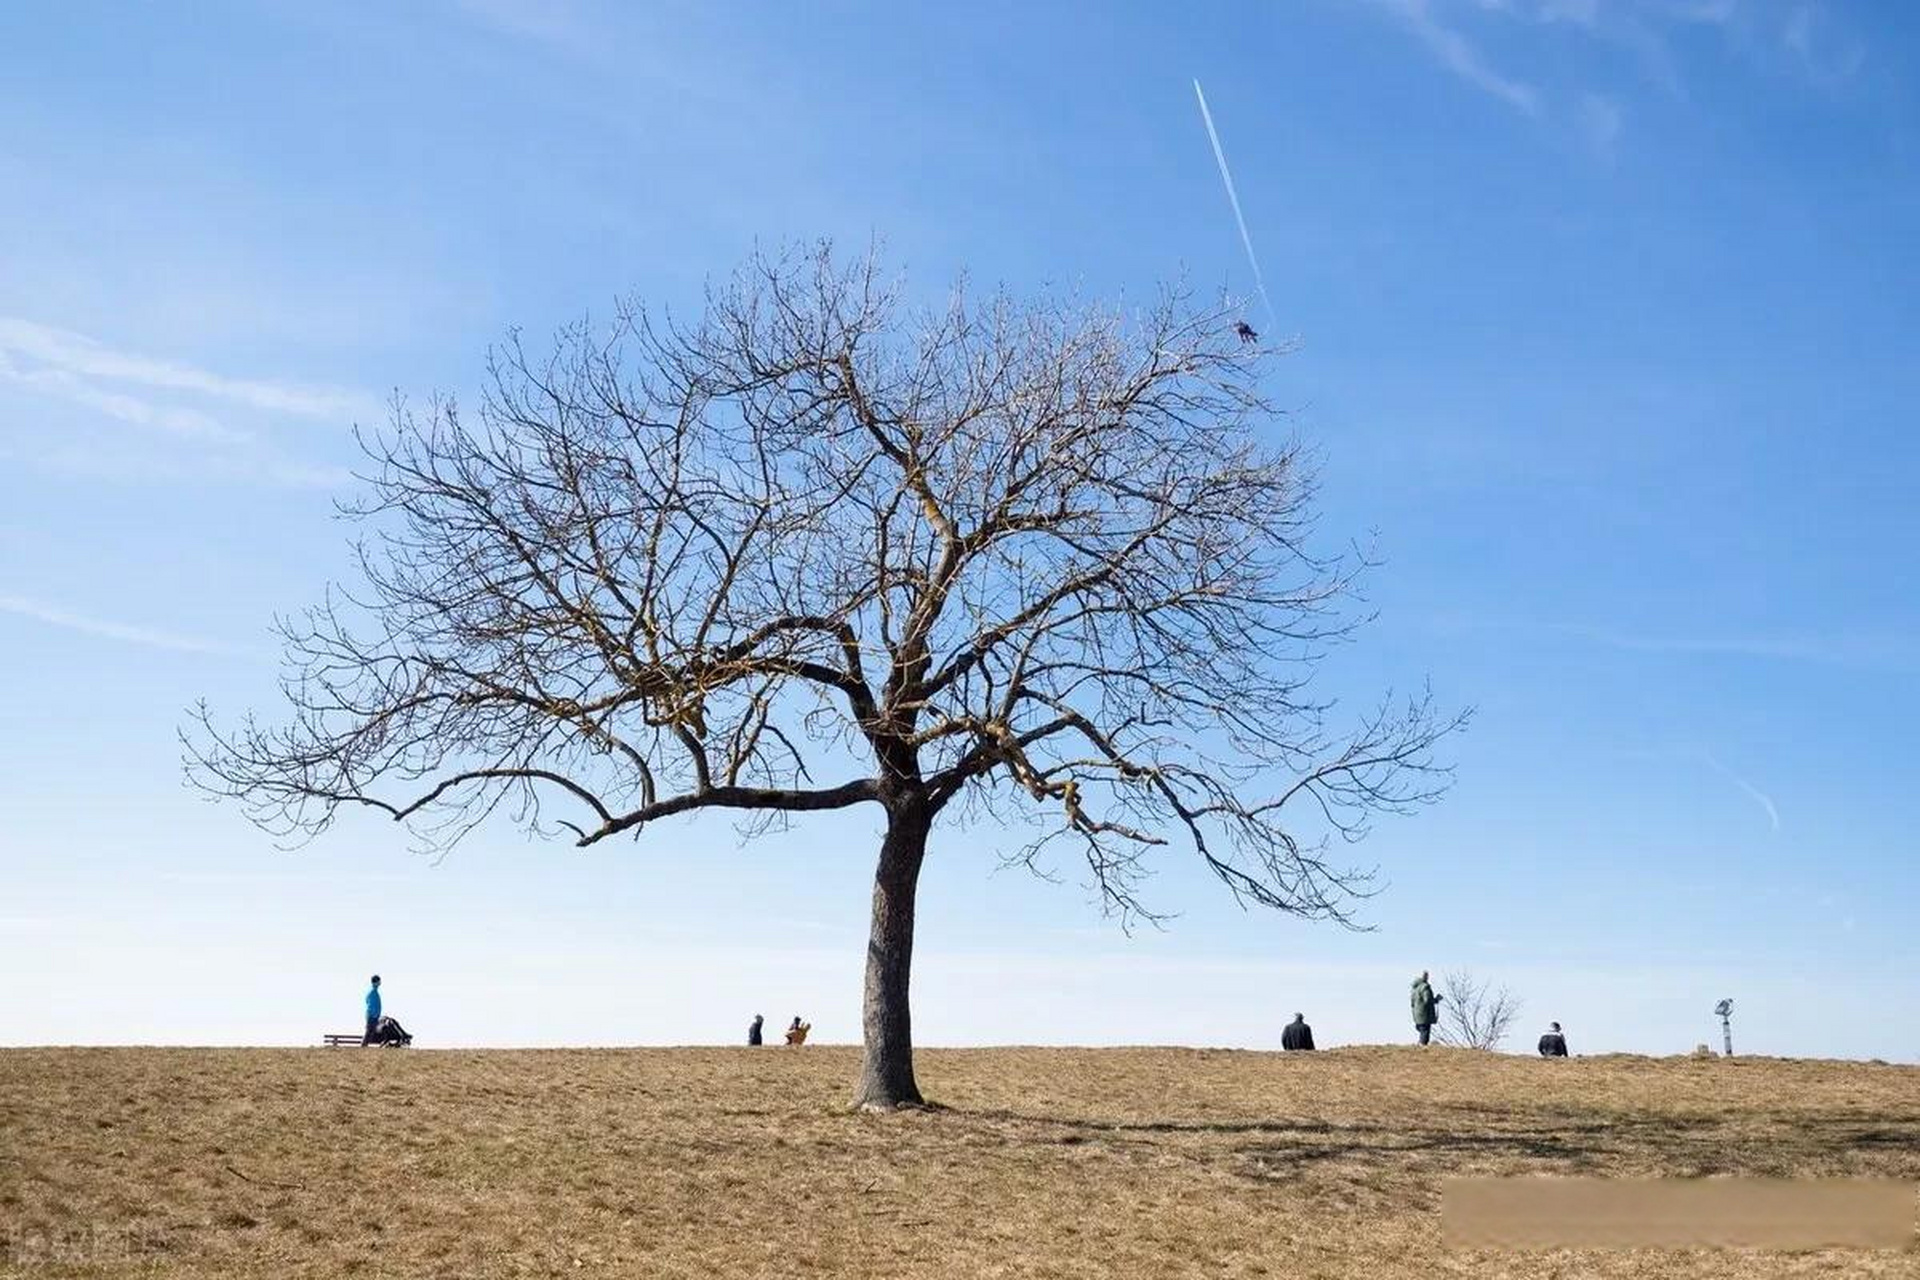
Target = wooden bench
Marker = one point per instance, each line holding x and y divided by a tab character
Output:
352	1041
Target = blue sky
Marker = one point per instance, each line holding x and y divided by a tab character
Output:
1606	313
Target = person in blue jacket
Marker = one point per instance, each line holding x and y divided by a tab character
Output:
373	1011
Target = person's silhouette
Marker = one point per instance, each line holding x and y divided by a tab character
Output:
373	1012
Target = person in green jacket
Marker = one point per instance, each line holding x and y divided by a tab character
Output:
1426	1006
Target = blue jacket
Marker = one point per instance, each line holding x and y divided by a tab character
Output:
373	1003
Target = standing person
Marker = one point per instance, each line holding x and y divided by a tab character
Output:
753	1030
373	1011
1298	1034
1426	1006
1553	1044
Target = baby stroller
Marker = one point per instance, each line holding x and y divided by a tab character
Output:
389	1034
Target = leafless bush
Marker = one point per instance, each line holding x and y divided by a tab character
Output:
1473	1013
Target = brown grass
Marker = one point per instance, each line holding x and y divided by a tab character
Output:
737	1162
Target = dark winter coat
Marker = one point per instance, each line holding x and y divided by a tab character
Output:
1425	1003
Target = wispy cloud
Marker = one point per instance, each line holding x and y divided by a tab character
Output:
1708	11
1583	13
1460	55
148	637
78	356
1865	648
1594	14
1797	39
64	384
550	22
1868	650
129	466
31	924
189	406
1600	120
1758	796
1824	53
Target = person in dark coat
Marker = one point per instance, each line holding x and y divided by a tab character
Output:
1298	1034
1426	1007
753	1029
1553	1044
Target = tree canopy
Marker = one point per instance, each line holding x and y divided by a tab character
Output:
1036	560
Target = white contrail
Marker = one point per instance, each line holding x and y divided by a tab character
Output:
1233	198
1760	797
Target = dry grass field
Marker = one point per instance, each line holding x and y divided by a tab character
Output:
737	1162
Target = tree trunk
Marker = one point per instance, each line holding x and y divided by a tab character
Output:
886	1076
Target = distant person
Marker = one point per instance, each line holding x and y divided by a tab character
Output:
1553	1044
373	1013
1298	1034
797	1031
753	1030
1426	1006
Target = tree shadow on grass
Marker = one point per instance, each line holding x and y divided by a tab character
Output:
1754	1144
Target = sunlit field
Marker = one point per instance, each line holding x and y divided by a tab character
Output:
738	1162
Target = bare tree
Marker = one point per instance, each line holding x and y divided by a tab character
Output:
1473	1014
1026	561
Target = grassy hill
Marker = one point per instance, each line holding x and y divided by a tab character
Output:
737	1162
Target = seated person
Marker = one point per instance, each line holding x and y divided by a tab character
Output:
1553	1044
797	1033
1298	1034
